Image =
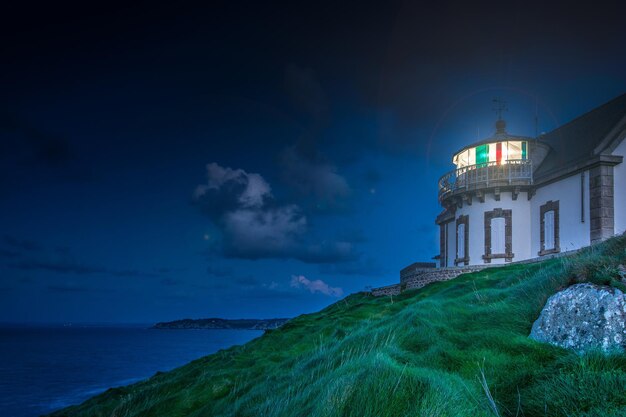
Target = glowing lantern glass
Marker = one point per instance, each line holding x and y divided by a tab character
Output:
482	154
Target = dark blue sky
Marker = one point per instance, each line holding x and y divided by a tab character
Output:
258	160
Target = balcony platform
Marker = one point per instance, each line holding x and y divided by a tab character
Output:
516	174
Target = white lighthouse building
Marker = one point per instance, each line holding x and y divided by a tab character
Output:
511	198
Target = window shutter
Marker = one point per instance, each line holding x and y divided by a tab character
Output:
497	235
548	225
460	241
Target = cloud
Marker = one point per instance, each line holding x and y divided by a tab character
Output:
328	252
264	232
170	282
22	140
166	270
131	273
8	254
372	178
236	186
312	175
63	267
26	255
305	168
29	152
23	245
60	267
306	92
219	272
253	225
249	281
367	267
216	285
66	288
316	286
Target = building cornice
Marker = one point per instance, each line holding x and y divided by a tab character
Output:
446	217
577	167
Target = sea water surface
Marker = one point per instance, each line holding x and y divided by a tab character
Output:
46	368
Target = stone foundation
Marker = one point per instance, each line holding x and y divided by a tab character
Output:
416	276
421	278
388	290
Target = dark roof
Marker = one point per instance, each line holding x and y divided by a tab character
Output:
576	140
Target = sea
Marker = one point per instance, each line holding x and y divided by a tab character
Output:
45	368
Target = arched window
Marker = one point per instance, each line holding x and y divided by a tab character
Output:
549	233
462	240
548	222
497	236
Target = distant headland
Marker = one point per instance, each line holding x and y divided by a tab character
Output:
215	323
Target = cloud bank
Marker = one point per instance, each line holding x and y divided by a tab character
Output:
254	225
312	176
315	286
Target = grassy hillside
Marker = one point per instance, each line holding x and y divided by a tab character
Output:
456	348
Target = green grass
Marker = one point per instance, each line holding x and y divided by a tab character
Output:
456	348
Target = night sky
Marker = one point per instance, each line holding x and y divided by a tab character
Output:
253	159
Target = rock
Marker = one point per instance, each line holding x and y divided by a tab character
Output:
583	317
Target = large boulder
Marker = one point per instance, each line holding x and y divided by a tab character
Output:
584	317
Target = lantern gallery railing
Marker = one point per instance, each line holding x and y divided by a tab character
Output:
488	174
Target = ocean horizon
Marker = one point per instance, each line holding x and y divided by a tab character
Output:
45	367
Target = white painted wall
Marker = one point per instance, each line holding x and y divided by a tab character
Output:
573	232
619	190
520	225
451	242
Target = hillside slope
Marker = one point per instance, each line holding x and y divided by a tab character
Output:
456	348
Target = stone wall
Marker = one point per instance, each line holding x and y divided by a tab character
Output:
421	278
413	276
388	290
601	203
416	268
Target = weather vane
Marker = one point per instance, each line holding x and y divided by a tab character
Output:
499	106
